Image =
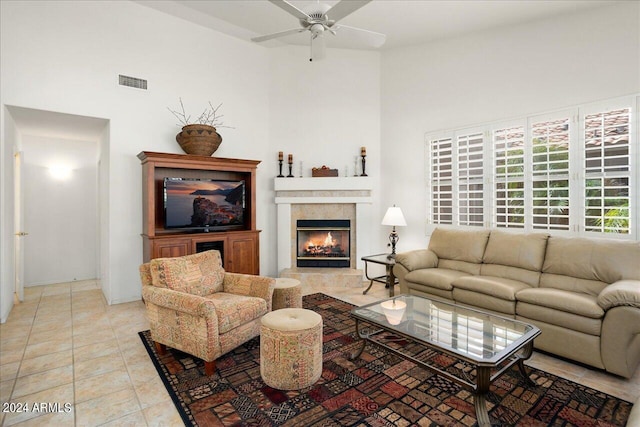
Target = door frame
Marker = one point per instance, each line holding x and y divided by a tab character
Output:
19	233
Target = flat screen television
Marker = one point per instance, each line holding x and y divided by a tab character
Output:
204	204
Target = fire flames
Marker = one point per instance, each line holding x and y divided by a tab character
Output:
322	245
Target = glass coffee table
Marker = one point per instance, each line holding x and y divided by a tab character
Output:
487	344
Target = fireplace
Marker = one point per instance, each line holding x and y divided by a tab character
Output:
323	243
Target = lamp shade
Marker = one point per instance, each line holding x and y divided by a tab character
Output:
394	217
394	310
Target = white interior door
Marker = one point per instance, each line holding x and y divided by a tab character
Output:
20	234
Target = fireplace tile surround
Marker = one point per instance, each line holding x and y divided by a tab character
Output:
323	198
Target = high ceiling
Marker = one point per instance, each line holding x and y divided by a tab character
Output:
405	22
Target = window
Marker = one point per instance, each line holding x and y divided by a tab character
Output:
569	171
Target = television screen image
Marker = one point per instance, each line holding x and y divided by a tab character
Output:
208	204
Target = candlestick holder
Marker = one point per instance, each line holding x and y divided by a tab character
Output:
280	168
364	162
290	171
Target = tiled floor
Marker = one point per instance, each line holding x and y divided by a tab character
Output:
64	344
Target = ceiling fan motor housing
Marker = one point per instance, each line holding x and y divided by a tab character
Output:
317	29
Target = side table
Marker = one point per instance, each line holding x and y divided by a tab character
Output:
389	279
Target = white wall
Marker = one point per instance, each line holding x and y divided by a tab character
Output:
66	56
496	75
9	140
61	215
103	253
322	112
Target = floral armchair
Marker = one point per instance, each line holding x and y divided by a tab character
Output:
194	306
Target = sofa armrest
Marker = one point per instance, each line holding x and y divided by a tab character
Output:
179	301
249	285
620	293
417	259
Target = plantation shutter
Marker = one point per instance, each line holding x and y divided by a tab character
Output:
470	179
509	177
607	171
441	180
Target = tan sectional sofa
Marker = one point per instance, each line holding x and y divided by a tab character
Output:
583	293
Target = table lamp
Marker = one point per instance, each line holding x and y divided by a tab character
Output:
394	218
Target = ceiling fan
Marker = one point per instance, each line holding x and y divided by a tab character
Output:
319	18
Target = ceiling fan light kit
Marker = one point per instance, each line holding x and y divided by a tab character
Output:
320	18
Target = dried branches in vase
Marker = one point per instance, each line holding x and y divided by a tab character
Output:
209	116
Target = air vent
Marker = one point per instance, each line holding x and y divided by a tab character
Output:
132	82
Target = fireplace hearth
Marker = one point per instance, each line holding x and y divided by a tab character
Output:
323	243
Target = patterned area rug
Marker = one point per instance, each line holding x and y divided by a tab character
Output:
378	389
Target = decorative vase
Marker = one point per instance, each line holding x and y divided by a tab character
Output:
199	140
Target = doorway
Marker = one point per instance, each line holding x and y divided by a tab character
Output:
59	236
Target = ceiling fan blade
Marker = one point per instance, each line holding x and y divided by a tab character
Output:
318	49
288	7
344	8
370	38
278	34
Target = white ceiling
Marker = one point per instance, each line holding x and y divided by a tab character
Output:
405	22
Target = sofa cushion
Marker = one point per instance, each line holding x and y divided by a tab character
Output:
457	245
531	278
551	316
463	266
569	302
484	302
439	278
571	284
604	260
233	310
516	250
497	287
198	274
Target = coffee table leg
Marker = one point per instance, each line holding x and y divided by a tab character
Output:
482	382
363	343
358	352
526	354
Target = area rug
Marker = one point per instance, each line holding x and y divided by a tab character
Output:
378	389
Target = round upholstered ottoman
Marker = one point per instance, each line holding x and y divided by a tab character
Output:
287	294
291	348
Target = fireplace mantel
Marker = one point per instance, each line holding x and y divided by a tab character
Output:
349	183
317	191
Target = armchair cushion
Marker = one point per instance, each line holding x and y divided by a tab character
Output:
248	285
236	310
198	274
